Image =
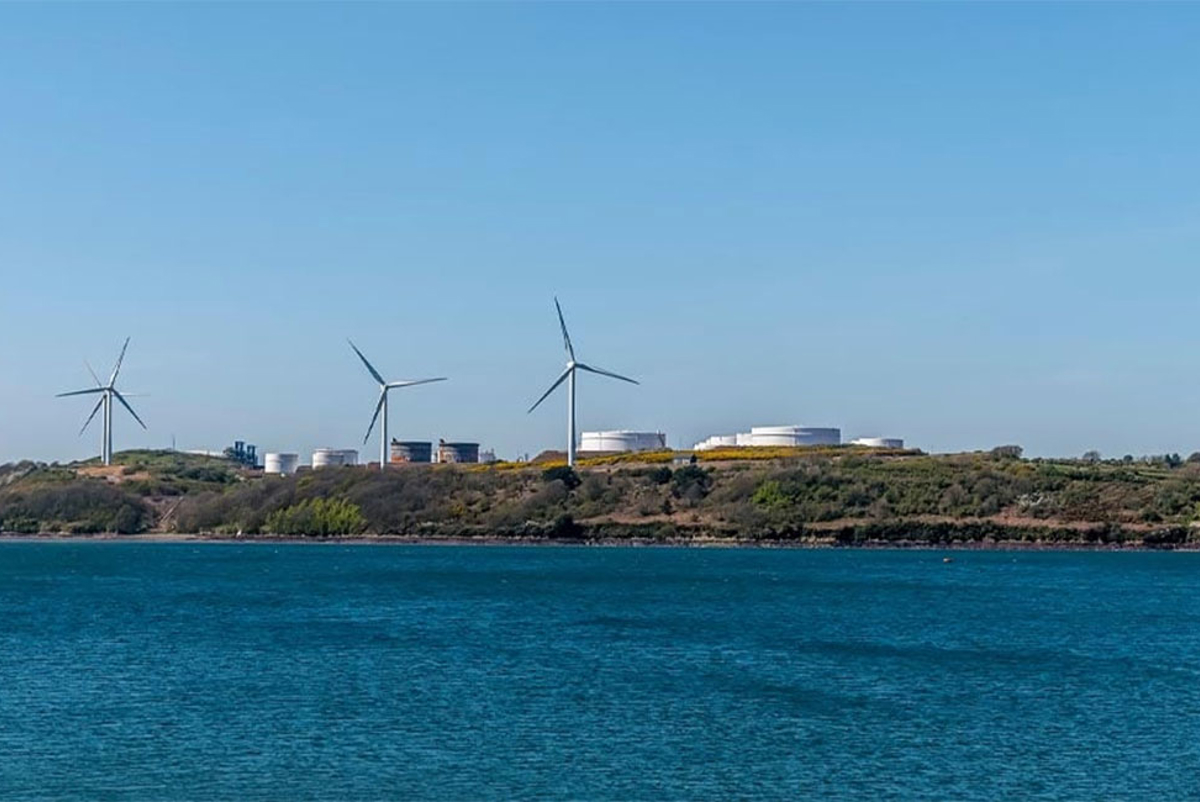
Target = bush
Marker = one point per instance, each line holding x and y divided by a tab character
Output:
691	482
563	473
660	475
318	516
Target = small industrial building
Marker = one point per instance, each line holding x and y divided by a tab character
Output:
458	452
622	441
331	457
404	452
283	464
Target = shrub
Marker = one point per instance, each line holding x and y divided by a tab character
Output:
563	473
770	495
318	516
660	475
691	482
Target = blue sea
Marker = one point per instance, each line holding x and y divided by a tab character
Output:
175	671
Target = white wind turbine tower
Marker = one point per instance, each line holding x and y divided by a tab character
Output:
382	405
568	375
107	393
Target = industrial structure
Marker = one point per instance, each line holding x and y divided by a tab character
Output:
458	452
411	451
878	442
242	453
622	441
778	436
568	375
283	464
330	457
108	392
381	405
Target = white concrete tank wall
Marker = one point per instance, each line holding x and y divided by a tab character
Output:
282	464
716	441
879	442
327	457
743	439
622	440
795	436
349	456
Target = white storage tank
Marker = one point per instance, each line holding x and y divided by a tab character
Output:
349	456
743	439
458	452
879	442
717	441
406	451
328	457
622	441
282	464
795	436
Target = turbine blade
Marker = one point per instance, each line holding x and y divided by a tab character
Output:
410	383
125	404
117	368
566	337
609	373
370	367
553	387
94	376
95	409
375	417
88	391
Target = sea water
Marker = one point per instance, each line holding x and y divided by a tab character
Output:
136	671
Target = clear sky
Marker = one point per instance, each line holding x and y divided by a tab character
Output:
961	224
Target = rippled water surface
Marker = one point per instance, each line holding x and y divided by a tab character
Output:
179	671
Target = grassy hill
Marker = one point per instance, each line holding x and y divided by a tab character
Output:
840	496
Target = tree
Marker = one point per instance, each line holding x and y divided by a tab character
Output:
1008	452
1091	456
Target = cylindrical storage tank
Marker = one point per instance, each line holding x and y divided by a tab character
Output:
743	439
327	457
412	451
282	464
620	441
349	456
717	441
795	436
879	442
458	452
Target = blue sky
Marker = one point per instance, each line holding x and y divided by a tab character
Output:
961	224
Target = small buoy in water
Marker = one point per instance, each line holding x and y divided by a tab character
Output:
947	559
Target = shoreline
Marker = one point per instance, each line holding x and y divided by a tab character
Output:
677	543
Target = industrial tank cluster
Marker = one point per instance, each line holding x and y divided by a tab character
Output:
622	441
421	451
791	436
786	436
402	452
284	463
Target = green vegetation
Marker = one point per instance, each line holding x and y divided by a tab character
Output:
317	516
832	496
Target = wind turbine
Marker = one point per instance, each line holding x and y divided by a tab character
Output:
107	393
568	375
382	405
